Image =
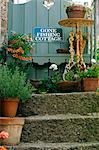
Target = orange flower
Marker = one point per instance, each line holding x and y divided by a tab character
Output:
15	55
26	58
19	50
2	148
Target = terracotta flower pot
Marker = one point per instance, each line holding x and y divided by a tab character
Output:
9	107
75	11
90	84
0	107
14	128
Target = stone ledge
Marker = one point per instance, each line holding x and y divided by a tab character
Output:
61	129
60	103
55	146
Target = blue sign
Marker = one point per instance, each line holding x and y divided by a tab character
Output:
47	34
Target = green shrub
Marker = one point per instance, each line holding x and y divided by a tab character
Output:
91	72
14	84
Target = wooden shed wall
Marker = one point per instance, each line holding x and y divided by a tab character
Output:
23	18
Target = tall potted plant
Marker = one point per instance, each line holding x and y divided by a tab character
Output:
13	88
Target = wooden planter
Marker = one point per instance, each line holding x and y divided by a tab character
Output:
14	128
75	11
90	84
69	86
9	107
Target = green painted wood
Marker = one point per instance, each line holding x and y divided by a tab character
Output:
53	22
42	14
10	16
42	49
30	16
18	18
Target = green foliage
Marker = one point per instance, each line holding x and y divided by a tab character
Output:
21	40
73	74
22	65
13	84
17	52
50	85
91	72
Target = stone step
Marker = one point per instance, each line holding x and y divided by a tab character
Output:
61	128
60	103
55	146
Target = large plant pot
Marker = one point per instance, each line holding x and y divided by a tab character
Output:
9	107
14	127
75	11
90	84
0	107
69	86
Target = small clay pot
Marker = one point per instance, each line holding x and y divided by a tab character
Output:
9	107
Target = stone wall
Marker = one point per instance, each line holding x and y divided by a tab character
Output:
3	19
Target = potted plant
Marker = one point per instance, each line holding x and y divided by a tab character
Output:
49	85
71	79
13	88
17	52
76	10
90	77
20	46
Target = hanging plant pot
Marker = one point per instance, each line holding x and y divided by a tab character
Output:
9	107
90	84
76	11
14	128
